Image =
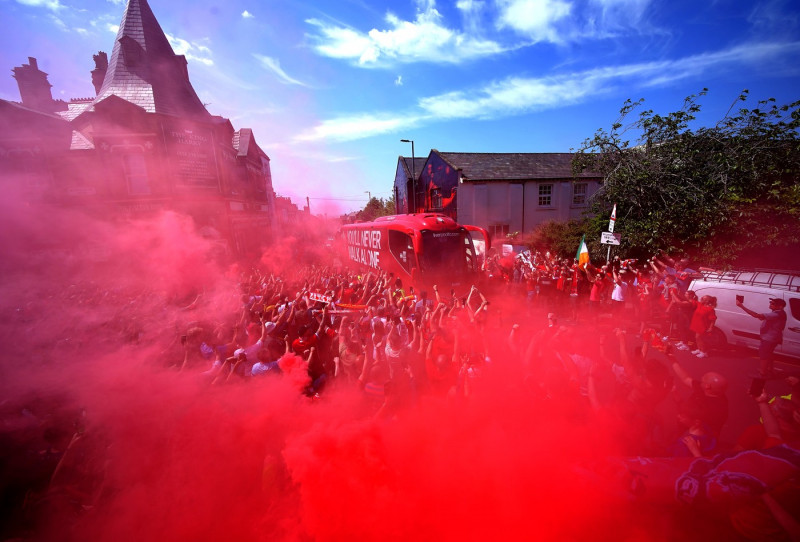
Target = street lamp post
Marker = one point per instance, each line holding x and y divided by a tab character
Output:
413	173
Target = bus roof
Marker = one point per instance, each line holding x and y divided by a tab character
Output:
418	221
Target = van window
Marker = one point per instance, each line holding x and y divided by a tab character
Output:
794	307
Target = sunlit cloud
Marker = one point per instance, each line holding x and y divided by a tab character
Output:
399	81
192	51
112	28
274	66
521	95
516	95
358	127
426	39
247	15
535	19
54	5
472	15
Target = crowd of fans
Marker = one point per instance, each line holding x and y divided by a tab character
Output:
610	345
607	348
370	332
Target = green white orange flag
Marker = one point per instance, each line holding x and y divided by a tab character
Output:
583	253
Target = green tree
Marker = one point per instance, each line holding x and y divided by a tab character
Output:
374	208
713	191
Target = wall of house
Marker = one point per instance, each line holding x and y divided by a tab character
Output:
506	207
402	200
438	187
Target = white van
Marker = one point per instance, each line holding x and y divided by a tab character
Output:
757	287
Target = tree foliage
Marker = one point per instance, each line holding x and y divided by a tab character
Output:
374	208
712	191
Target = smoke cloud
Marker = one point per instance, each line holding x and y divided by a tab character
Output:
105	439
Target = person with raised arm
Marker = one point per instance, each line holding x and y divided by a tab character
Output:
771	332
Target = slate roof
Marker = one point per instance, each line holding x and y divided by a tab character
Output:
75	108
486	166
419	163
144	69
80	142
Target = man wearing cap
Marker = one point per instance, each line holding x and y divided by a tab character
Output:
771	332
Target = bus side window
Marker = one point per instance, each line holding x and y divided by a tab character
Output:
402	248
470	254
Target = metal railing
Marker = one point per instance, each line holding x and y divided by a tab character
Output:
767	278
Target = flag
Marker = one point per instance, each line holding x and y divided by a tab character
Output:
583	253
613	219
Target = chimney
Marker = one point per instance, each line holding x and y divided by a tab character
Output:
34	89
99	71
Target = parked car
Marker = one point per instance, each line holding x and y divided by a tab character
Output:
757	287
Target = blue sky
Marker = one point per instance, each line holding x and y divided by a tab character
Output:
330	88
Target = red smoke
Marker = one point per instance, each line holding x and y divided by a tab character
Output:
92	312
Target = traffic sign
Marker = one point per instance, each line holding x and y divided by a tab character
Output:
608	238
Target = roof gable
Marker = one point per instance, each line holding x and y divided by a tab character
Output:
416	169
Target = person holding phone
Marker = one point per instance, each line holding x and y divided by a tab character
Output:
771	333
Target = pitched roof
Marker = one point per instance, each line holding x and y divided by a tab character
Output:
80	142
419	163
75	108
487	166
144	69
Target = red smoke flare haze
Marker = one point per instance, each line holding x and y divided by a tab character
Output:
92	312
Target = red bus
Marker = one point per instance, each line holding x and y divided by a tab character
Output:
421	249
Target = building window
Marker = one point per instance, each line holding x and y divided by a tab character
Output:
436	199
136	174
498	231
545	195
579	191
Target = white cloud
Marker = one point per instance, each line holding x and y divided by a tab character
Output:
247	15
535	19
274	66
399	81
471	12
358	127
116	2
425	39
82	31
113	28
54	5
192	51
521	95
516	95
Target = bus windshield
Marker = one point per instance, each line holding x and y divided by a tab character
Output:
449	252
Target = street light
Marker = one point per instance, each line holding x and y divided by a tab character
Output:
413	173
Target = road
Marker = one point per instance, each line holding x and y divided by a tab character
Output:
738	366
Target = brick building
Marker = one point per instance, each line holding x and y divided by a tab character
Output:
145	142
502	192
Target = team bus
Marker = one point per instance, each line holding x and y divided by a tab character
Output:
421	249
